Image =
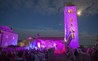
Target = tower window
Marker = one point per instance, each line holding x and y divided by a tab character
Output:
71	25
71	20
70	11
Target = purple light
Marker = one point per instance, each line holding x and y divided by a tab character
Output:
13	37
57	44
7	37
71	26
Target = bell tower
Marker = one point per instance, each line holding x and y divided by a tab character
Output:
71	25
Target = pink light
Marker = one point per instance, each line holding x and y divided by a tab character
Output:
13	37
54	45
42	46
29	38
47	44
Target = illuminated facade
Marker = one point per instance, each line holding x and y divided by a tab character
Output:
7	36
49	42
71	26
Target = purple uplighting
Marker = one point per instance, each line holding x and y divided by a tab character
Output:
71	26
41	44
7	36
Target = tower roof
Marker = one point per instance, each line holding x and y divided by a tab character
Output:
69	4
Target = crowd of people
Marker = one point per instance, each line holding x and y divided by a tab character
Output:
23	55
80	54
83	53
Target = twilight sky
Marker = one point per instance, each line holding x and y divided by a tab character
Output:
30	17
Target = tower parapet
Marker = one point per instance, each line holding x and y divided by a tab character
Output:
70	4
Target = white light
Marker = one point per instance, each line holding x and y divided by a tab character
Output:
38	44
54	45
79	13
65	40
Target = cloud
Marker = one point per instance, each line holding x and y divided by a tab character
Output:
49	6
41	6
86	38
88	7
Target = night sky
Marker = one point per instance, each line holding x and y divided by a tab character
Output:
30	17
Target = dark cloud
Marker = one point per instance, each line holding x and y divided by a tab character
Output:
88	7
49	6
86	38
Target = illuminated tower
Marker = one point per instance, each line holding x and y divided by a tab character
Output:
71	26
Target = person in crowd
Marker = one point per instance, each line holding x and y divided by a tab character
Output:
20	56
36	57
